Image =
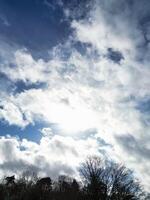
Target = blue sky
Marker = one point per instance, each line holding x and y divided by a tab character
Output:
74	81
33	24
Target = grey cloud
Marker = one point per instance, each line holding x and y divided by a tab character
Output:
17	167
136	153
52	169
51	157
64	148
134	147
40	166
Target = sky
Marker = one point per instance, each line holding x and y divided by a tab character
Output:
74	82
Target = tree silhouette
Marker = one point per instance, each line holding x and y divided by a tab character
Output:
101	181
92	173
113	182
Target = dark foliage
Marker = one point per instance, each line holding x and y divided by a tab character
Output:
100	182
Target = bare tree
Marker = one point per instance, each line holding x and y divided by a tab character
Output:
101	181
10	180
92	172
113	182
121	183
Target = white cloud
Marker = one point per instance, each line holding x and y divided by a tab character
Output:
12	114
50	157
25	68
77	105
86	91
47	132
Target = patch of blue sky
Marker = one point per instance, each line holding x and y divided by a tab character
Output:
144	106
114	55
5	83
31	132
20	86
33	19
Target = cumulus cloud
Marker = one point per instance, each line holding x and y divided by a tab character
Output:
52	156
47	132
98	88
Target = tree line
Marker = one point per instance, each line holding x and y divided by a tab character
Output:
99	181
